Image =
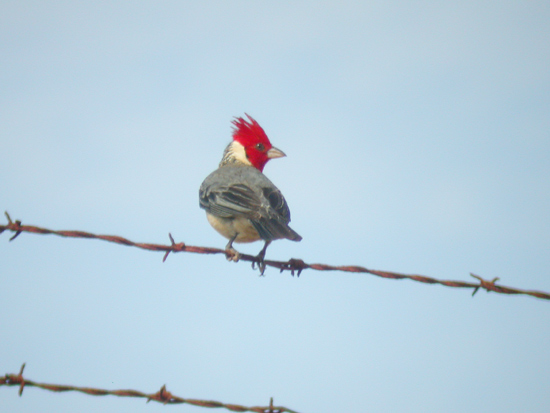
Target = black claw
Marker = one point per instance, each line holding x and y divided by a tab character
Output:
259	259
262	267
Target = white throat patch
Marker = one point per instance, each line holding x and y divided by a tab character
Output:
235	153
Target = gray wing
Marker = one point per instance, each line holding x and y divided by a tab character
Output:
265	206
230	201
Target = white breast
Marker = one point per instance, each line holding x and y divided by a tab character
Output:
229	227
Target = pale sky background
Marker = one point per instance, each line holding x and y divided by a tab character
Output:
418	141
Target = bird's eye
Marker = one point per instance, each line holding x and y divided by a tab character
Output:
260	147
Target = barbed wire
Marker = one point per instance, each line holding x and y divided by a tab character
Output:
294	265
162	396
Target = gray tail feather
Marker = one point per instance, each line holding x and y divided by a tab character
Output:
294	236
275	229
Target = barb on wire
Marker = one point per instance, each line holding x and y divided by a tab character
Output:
293	265
162	396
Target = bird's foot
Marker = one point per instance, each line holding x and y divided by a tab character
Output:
232	254
259	260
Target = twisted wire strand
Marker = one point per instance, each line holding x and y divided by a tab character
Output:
293	265
162	396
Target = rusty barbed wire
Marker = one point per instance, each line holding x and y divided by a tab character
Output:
293	265
162	396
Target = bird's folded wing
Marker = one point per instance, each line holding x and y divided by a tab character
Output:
267	211
229	201
277	202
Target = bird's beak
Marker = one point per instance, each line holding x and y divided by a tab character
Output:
275	153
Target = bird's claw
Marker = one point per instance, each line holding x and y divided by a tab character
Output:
259	259
232	254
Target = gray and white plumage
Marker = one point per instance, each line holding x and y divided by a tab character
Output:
241	203
240	198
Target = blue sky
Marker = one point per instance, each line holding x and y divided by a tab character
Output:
417	141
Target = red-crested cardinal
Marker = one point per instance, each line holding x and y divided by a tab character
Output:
240	202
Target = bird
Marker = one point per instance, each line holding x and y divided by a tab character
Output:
241	203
